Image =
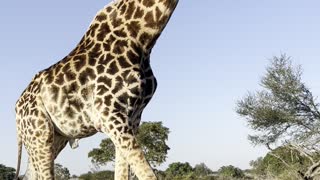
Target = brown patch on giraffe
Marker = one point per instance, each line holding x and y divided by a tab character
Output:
119	129
105	80
79	61
70	75
76	104
133	27
100	69
107	100
122	117
123	9
59	80
95	51
123	62
120	4
102	89
120	33
57	68
148	3
118	85
139	13
80	120
92	31
73	87
145	38
86	75
106	47
49	78
116	122
133	57
103	31
119	107
150	20
101	17
123	98
165	2
120	46
113	68
105	113
55	92
66	67
109	9
130	10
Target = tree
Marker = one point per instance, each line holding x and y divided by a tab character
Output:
104	154
101	175
259	168
179	170
6	173
230	172
284	112
280	162
61	173
152	138
201	170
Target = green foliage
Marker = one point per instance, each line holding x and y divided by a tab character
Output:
179	170
259	167
152	137
104	154
230	172
61	173
284	113
6	173
284	110
101	175
201	170
175	171
282	162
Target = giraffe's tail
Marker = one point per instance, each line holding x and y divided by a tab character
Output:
19	158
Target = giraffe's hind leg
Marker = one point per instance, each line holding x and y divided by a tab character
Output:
38	137
59	143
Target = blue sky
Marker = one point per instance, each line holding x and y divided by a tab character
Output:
209	56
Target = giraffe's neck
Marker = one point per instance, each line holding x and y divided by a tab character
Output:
138	21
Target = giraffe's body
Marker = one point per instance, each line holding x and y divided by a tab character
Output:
103	85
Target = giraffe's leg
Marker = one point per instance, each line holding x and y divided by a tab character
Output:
121	166
38	141
59	143
30	172
122	169
123	137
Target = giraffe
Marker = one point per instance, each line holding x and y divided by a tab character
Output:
103	85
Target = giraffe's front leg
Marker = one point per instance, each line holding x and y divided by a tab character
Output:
128	149
121	166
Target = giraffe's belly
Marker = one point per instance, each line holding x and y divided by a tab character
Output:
70	110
